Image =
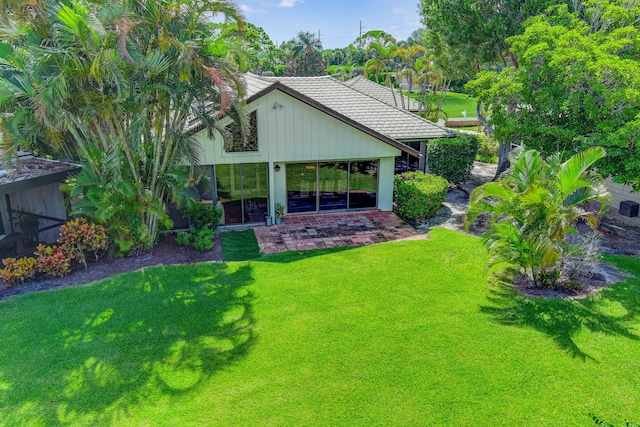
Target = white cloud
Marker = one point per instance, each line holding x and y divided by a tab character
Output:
289	3
248	9
396	11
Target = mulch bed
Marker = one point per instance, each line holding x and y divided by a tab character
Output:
166	252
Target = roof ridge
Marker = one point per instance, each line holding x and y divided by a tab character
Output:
392	106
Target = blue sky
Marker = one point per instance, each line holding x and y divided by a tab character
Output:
337	20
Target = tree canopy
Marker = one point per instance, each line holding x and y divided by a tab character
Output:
576	85
118	85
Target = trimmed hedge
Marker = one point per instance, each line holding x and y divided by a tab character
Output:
419	195
452	158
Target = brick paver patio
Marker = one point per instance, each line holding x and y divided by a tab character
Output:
328	230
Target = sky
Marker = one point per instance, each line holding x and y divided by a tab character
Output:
338	21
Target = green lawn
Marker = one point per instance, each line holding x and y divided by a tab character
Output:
456	103
404	333
239	245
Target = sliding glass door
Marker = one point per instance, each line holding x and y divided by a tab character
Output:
301	187
327	186
333	183
242	192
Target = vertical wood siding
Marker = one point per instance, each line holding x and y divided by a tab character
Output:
45	200
289	130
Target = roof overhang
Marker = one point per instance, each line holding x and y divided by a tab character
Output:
20	180
319	106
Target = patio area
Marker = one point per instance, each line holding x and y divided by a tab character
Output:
304	232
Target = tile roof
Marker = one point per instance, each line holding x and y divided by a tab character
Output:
356	106
382	93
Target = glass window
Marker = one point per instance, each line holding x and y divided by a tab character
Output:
301	187
236	144
333	180
326	186
363	184
242	192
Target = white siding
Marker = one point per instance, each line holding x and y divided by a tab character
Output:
621	192
292	131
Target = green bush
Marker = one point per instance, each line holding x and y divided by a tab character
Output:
452	158
202	239
488	150
419	195
204	216
183	238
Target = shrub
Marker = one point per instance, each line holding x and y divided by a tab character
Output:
452	158
419	195
534	207
202	239
183	238
54	260
80	235
488	150
16	271
204	216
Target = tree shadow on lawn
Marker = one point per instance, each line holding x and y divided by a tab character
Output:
124	342
287	257
614	311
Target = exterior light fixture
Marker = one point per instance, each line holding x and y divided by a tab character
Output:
277	168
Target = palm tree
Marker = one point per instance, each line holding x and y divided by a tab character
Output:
305	43
122	91
534	207
408	55
380	48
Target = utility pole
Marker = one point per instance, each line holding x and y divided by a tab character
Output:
319	39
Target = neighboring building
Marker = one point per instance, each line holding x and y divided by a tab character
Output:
383	93
32	207
621	193
317	145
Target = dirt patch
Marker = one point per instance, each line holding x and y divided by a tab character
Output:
166	252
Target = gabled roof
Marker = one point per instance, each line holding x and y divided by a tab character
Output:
351	106
382	93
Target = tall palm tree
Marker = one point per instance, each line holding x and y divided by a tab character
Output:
408	55
536	206
123	81
305	43
381	48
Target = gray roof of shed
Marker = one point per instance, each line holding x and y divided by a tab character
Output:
30	172
382	93
357	108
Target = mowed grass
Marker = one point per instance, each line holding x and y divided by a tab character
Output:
395	334
239	245
455	103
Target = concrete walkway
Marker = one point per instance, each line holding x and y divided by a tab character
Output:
328	230
456	202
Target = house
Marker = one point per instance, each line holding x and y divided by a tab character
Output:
622	193
383	93
317	145
32	207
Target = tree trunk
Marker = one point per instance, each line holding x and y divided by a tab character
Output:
503	159
505	147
